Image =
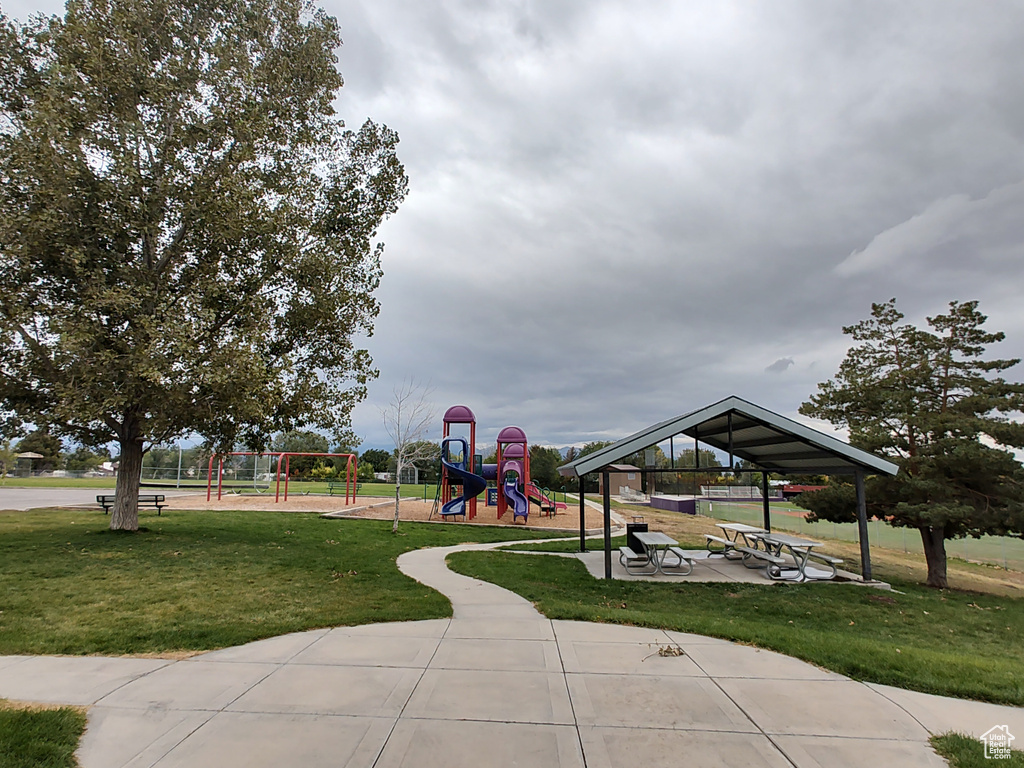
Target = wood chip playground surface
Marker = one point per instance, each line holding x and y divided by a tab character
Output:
375	507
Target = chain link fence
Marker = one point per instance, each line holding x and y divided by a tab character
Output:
1003	551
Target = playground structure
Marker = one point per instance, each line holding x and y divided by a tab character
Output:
284	458
464	476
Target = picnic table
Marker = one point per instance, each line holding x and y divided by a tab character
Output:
735	535
780	546
657	546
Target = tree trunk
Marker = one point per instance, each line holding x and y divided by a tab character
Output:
125	514
398	493
934	540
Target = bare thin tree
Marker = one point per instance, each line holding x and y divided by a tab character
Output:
407	420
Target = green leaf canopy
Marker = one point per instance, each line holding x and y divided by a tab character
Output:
187	230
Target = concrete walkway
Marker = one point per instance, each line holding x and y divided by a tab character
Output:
497	685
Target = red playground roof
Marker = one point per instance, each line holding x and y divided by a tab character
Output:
459	414
511	435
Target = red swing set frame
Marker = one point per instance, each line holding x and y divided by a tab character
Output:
284	457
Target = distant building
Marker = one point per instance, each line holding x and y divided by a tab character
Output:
621	476
789	491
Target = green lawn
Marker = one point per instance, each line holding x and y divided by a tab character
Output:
201	580
968	752
39	738
568	545
294	486
57	482
950	643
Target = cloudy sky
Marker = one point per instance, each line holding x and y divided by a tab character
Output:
622	211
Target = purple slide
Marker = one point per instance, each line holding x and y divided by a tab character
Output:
510	485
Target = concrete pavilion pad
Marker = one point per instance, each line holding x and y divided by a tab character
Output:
706	569
497	685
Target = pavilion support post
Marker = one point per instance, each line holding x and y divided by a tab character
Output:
583	519
732	460
862	527
765	505
607	525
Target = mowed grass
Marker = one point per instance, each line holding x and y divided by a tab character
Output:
201	580
230	486
58	482
968	752
945	642
31	737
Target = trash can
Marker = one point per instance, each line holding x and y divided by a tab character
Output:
637	526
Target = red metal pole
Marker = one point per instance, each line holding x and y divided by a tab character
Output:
348	476
209	478
526	454
287	471
220	476
277	490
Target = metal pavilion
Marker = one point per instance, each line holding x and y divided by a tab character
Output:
769	441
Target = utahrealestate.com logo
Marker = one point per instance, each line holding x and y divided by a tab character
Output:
997	742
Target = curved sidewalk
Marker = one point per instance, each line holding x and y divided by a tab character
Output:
496	685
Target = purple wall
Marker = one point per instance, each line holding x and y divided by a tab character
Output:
673	504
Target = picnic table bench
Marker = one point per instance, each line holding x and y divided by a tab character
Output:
155	500
826	560
340	487
730	544
799	551
630	560
657	546
750	554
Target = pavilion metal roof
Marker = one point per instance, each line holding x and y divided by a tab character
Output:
769	441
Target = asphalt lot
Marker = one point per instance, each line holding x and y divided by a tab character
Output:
35	498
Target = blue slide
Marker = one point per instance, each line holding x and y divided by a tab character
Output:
472	485
510	485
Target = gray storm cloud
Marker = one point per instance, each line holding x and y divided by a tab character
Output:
780	365
620	210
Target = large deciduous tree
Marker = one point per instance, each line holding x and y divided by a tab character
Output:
928	399
187	230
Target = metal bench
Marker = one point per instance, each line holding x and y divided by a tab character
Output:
727	546
682	557
339	486
627	557
749	553
155	500
826	560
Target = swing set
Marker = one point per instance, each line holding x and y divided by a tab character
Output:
285	459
